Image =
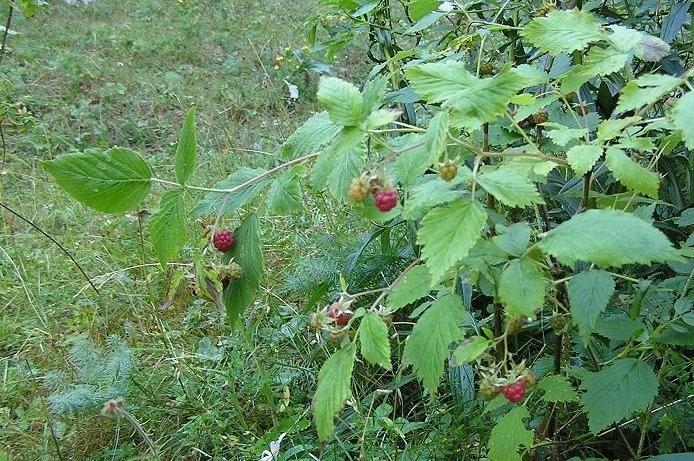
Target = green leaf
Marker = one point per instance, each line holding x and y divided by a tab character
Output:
598	62
510	188
562	135
284	196
373	337
167	226
240	293
414	285
430	192
515	239
340	163
583	157
617	391
113	181
448	233
610	129
436	136
186	150
589	293
563	31
634	176
213	202
509	435
683	116
341	99
379	118
557	389
471	349
426	348
440	81
607	238
413	161
316	132
522	288
645	90
334	388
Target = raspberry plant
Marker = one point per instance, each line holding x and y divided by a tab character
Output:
547	220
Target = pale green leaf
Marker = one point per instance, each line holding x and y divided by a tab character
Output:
610	129
167	227
413	161
436	136
598	62
334	388
448	233
373	337
582	158
112	181
414	285
509	435
645	90
509	188
515	239
380	117
617	391
522	288
316	132
471	349
607	238
589	292
634	176
215	202
557	389
562	135
284	195
683	116
426	348
563	31
341	100
340	163
186	150
430	192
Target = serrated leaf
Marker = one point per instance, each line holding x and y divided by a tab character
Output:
522	288
634	176
334	388
431	191
563	31
436	136
379	118
112	181
562	135
340	163
683	116
598	62
589	292
471	349
316	132
373	338
241	292
374	93
607	238
167	227
645	90
509	435
186	150
414	160
341	100
426	348
414	285
214	202
617	391
557	389
448	233
509	188
284	196
610	129
515	239
582	158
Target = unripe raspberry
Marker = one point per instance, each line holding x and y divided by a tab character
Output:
314	323
487	69
224	240
488	390
448	170
529	378
541	116
340	316
359	189
514	325
559	321
229	272
514	392
386	199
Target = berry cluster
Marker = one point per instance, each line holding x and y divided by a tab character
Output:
385	197
513	386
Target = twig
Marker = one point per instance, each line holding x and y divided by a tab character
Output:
8	23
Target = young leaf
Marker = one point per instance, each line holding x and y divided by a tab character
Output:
414	285
562	135
509	435
316	132
186	150
557	389
426	348
448	233
583	157
563	31
610	129
113	181
683	115
339	163
284	195
373	337
430	192
215	202
240	293
436	136
617	391
589	292
510	188
515	239
645	90
167	226
598	62
470	349
522	288
341	99
607	238
634	176
334	388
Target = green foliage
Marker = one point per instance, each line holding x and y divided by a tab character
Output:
414	285
582	158
509	435
634	176
334	388
341	100
373	338
186	150
589	292
509	188
522	287
168	226
563	31
557	389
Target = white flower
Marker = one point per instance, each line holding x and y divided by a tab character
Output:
271	454
446	7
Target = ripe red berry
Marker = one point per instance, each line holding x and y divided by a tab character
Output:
336	313
386	199
224	240
514	392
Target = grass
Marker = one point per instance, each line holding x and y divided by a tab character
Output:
124	73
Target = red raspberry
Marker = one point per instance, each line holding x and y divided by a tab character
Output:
514	392
224	240
341	317
386	199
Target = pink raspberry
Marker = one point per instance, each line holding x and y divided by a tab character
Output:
224	240
386	199
514	392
